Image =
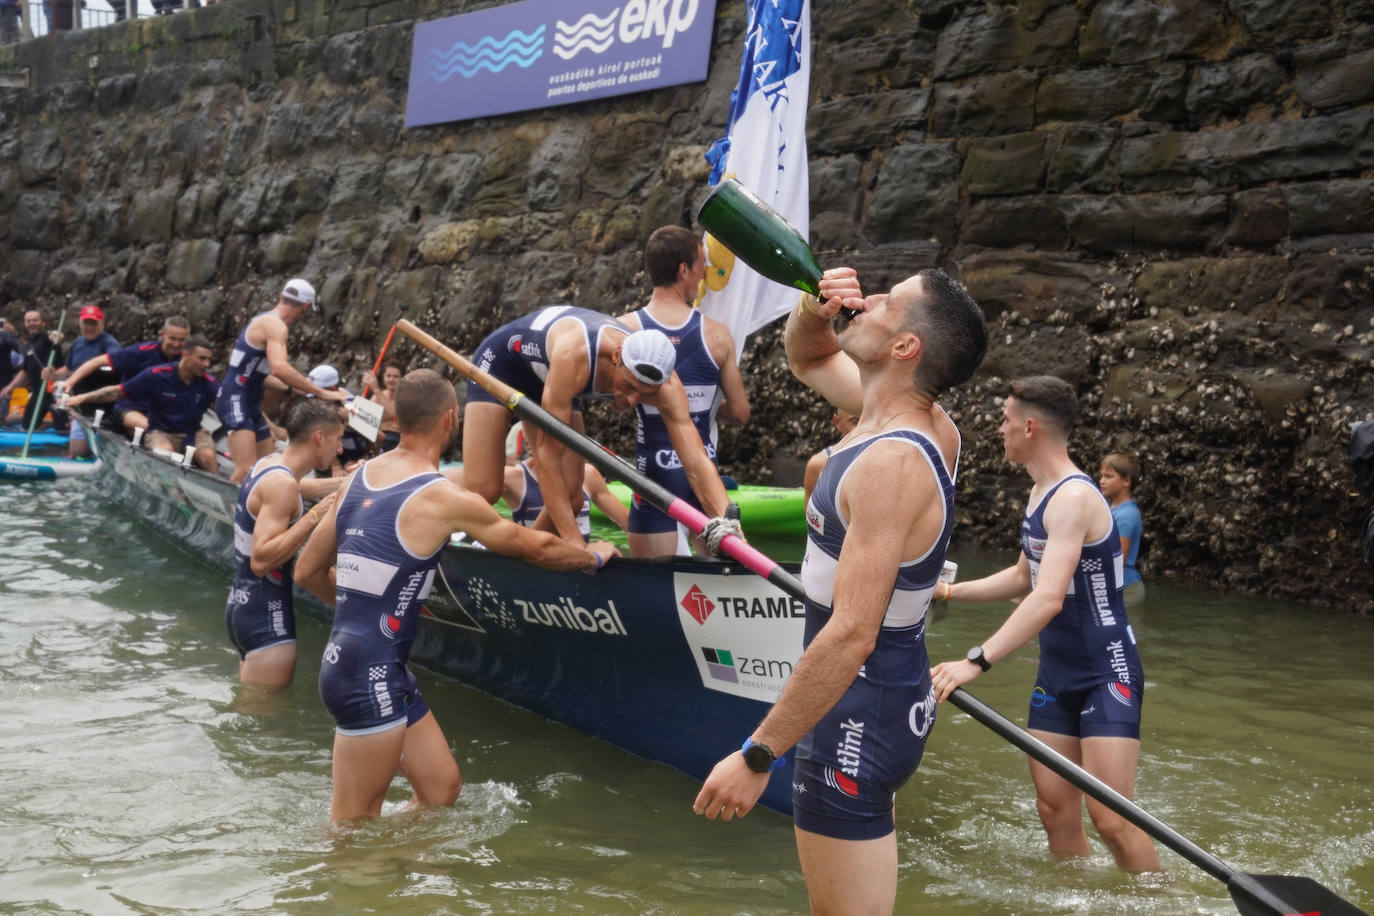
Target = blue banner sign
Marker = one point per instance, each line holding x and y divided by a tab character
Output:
538	53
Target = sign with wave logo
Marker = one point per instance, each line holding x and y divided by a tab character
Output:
538	53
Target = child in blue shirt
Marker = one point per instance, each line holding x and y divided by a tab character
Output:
1116	476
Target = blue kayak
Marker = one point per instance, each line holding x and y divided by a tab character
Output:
12	437
34	468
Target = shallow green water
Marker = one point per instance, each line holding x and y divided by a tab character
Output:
133	782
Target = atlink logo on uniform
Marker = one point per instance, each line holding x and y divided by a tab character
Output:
525	349
569	615
848	751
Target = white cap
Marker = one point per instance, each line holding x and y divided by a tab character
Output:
325	375
649	355
299	290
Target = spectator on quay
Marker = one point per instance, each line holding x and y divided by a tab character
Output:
1116	478
40	346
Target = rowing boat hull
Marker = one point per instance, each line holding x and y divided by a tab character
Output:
675	660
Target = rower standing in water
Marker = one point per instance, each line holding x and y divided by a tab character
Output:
374	559
259	352
706	366
270	525
1090	684
859	706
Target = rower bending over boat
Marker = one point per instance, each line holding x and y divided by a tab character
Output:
859	705
705	351
559	356
374	559
270	525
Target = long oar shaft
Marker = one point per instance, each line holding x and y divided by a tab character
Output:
1236	882
1114	800
40	386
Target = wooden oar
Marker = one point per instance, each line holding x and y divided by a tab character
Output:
40	386
1254	895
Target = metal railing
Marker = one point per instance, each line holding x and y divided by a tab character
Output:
24	19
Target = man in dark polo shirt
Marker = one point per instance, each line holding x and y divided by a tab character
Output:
169	401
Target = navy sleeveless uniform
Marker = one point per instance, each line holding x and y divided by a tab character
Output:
259	613
380	586
239	404
517	353
654	454
849	766
532	503
1091	682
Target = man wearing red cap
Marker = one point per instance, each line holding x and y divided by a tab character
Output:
93	342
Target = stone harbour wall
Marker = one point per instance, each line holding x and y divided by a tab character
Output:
1168	202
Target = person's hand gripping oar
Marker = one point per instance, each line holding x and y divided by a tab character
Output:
364	414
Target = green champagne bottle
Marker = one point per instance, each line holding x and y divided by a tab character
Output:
759	236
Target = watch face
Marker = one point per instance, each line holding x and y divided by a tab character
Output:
758	758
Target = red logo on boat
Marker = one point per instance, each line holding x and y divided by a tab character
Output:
697	604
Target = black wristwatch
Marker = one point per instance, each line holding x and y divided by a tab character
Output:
976	656
760	757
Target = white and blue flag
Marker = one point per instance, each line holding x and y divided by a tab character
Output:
764	147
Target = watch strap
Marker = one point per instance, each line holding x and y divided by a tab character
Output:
777	763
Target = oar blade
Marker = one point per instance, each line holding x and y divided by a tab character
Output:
1303	896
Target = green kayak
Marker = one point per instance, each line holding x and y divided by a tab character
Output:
763	510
